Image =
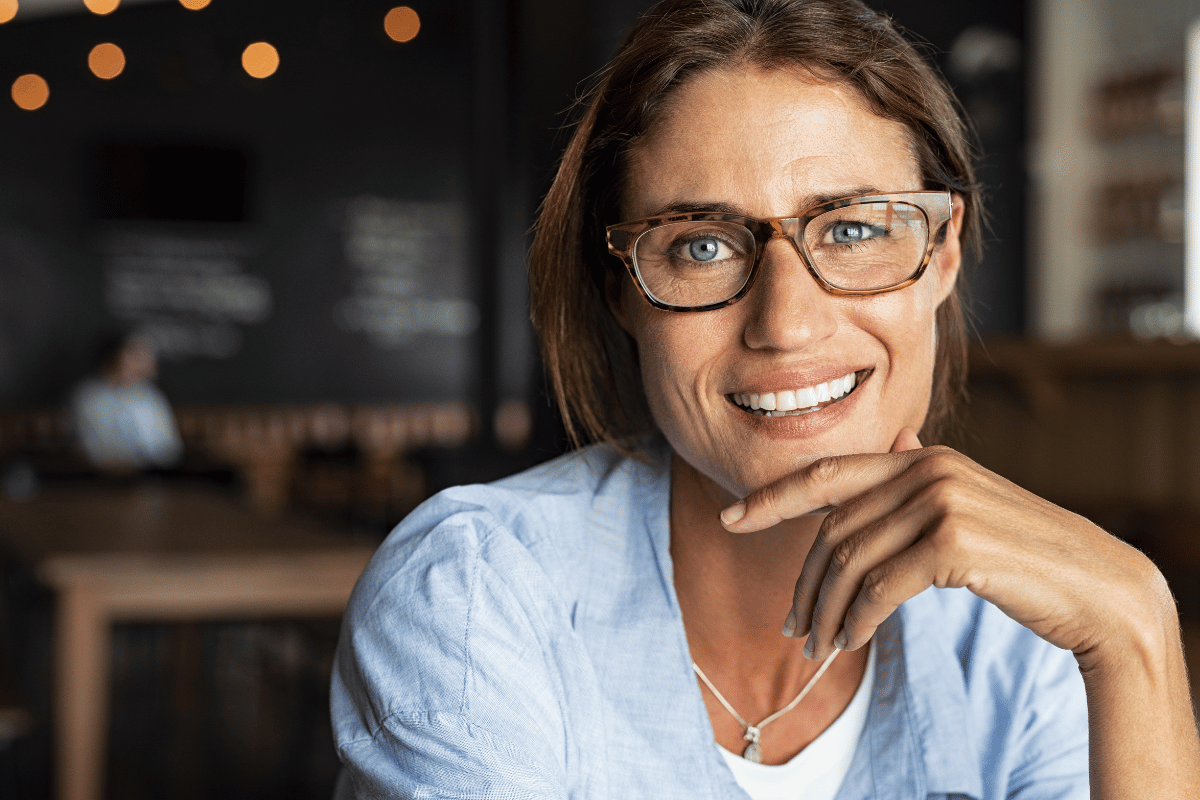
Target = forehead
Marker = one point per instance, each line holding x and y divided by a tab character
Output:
769	143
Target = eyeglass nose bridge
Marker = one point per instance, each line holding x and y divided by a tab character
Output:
791	229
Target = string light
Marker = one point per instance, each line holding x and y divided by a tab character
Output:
402	24
102	7
8	10
194	5
30	92
260	60
106	61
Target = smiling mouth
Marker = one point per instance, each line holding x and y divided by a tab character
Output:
793	403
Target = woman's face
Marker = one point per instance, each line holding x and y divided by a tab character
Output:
771	144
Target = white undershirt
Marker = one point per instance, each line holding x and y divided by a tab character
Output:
817	771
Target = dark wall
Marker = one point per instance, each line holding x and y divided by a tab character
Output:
982	50
356	198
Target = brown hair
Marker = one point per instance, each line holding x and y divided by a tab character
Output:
591	362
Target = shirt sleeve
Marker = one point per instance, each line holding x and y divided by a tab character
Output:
442	756
448	681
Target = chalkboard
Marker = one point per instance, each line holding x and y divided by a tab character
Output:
300	238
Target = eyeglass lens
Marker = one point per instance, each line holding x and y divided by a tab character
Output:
864	247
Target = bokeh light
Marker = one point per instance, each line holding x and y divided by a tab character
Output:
402	24
102	6
260	60
194	5
30	92
106	61
8	10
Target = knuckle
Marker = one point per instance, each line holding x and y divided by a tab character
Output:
829	534
825	470
942	461
843	557
765	500
942	453
951	537
944	493
875	587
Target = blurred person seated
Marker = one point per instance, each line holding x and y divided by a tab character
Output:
122	420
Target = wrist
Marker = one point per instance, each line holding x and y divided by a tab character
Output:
1140	632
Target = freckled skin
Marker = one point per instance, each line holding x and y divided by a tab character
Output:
769	143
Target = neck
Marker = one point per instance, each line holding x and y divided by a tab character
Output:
735	590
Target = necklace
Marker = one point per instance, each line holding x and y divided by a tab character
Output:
753	752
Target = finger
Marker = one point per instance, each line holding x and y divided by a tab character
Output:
851	562
883	590
829	481
860	517
906	440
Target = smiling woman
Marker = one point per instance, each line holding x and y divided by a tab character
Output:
745	282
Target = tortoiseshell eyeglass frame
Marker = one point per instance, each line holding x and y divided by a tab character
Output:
937	206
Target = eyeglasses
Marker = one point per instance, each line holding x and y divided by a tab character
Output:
700	261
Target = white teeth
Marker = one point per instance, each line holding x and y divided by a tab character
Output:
777	404
839	386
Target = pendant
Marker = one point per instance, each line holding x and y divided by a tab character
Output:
752	752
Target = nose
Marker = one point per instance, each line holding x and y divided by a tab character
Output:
788	309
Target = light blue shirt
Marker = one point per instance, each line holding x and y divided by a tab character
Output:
523	640
125	426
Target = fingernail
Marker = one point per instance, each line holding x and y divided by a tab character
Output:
841	640
808	648
789	625
733	513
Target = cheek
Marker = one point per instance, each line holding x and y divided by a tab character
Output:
904	322
669	358
656	348
677	355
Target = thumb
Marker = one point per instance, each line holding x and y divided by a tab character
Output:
906	440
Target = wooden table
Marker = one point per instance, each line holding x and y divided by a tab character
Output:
159	554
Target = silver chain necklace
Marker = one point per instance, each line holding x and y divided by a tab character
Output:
753	732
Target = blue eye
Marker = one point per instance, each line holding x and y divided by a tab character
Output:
854	232
704	249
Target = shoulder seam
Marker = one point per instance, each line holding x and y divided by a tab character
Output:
428	719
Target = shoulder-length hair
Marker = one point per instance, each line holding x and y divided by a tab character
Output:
590	361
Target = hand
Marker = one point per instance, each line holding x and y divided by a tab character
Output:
916	517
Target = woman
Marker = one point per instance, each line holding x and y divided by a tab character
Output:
745	282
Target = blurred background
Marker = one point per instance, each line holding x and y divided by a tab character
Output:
310	219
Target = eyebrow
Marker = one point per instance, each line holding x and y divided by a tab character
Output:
686	206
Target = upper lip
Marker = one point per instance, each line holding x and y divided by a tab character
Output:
790	380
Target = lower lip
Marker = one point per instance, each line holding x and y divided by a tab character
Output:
804	425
